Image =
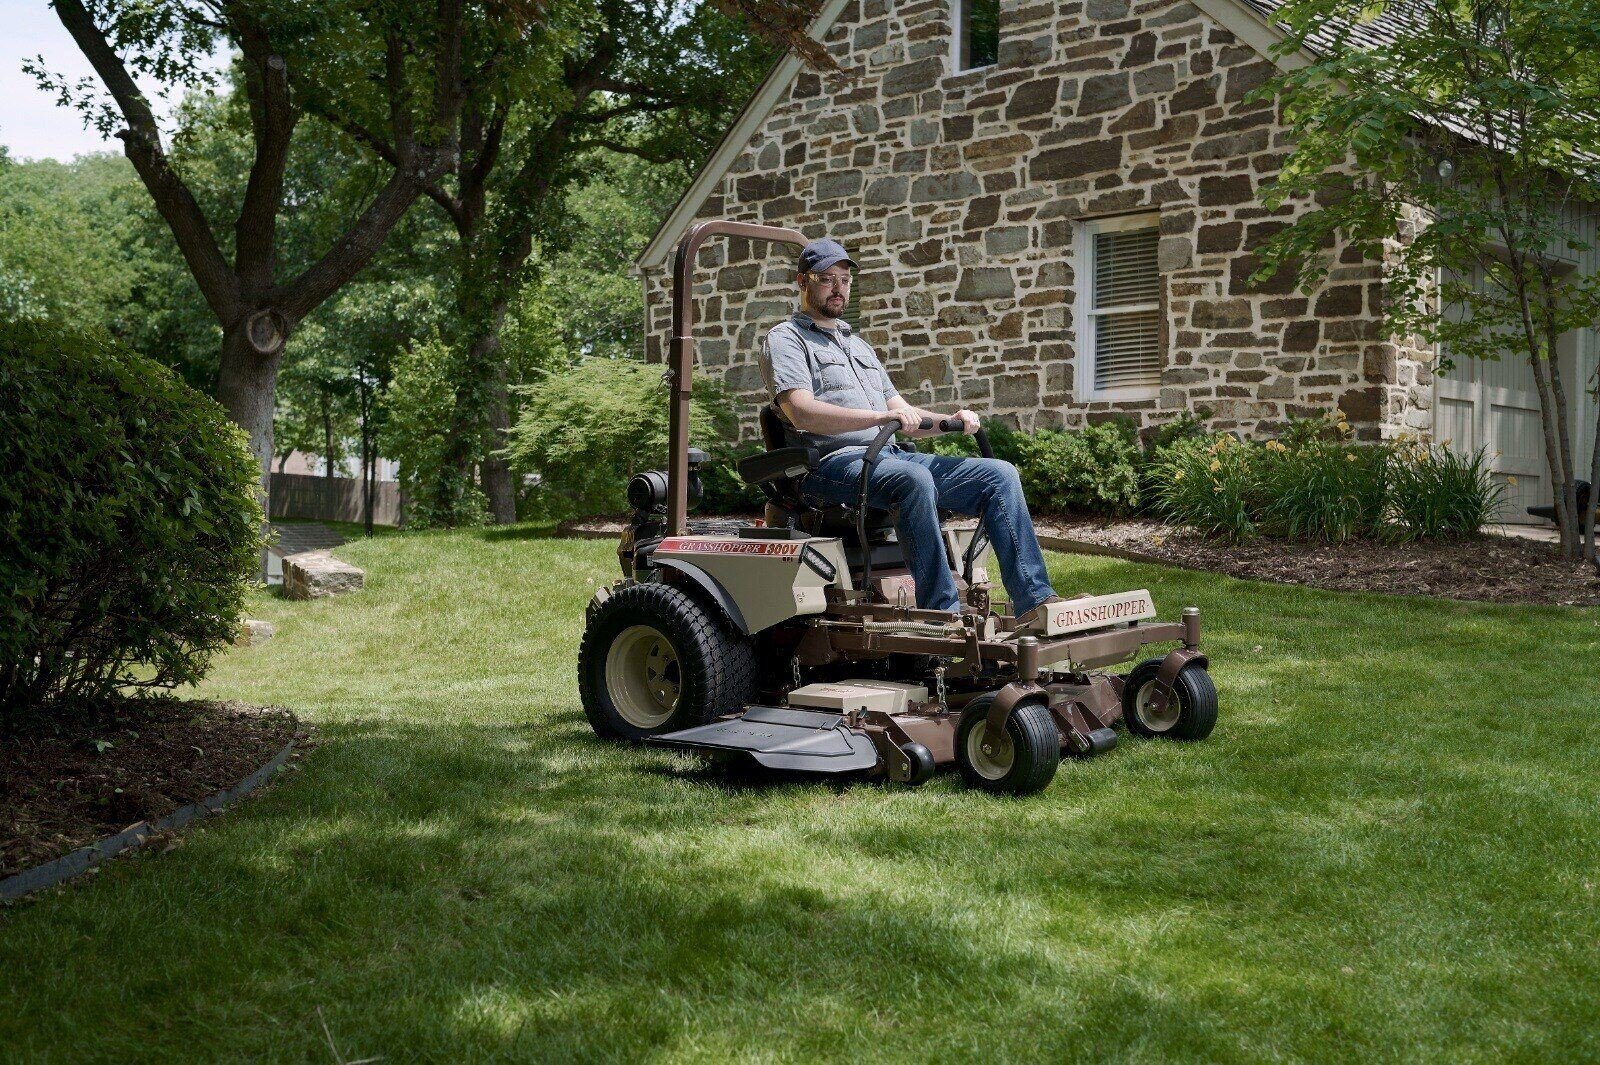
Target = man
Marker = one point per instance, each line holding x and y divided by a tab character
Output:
834	393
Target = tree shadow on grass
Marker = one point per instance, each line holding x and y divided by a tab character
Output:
473	891
469	891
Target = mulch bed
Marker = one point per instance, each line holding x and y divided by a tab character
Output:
61	790
1489	569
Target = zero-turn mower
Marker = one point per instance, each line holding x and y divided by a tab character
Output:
794	642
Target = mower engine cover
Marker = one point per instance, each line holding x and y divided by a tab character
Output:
770	581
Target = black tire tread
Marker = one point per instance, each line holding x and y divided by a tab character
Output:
1034	737
1197	699
701	637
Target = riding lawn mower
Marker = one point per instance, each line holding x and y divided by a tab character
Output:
793	642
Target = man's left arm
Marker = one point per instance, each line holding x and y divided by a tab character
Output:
969	420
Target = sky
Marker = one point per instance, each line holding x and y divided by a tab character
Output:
31	125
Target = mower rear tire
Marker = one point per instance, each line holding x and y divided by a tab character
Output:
654	660
1191	712
1025	760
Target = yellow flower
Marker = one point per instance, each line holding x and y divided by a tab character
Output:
1216	464
1178	476
1350	457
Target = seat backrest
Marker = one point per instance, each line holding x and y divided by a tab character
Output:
774	433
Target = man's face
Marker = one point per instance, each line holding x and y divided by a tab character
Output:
828	291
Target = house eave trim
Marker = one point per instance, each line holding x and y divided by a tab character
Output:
1247	24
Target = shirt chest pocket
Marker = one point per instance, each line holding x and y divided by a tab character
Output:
834	373
875	380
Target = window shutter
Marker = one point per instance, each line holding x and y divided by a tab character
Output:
1126	310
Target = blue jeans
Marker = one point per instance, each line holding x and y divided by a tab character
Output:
918	486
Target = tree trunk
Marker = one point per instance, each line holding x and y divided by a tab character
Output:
1552	455
245	387
1594	491
1572	525
497	481
327	437
481	407
246	384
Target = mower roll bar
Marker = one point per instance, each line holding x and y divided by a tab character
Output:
680	354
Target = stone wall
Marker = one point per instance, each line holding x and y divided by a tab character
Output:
961	196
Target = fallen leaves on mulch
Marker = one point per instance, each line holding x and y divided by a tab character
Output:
1489	569
66	784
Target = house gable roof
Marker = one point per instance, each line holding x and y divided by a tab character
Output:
1245	19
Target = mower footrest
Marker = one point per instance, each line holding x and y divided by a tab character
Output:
779	737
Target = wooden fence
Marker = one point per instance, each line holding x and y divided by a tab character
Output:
299	495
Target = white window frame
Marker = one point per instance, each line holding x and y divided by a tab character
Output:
1085	315
958	39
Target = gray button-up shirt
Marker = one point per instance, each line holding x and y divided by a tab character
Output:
837	367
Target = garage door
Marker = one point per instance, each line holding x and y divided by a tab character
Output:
1494	404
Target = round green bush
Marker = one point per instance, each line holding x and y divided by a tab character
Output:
586	430
128	522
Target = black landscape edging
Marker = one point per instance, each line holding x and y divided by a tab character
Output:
80	861
1084	547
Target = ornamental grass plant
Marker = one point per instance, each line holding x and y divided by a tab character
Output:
1316	482
1323	486
1437	493
1211	484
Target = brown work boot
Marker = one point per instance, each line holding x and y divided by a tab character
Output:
1035	617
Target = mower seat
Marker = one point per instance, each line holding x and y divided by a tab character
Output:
779	471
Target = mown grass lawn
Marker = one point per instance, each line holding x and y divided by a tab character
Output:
1390	848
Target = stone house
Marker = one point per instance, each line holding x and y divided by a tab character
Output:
1053	205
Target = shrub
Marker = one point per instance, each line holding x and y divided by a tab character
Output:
725	492
419	404
1323	489
1006	443
587	430
1437	492
1186	426
1211	484
128	521
1094	470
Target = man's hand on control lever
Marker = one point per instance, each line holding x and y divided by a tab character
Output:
912	418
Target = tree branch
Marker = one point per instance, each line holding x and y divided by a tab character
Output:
302	295
601	117
272	121
637	151
142	143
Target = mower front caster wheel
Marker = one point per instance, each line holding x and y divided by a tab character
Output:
922	764
1021	762
1190	714
655	660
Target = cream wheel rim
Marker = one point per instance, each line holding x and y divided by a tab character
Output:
643	677
1164	720
995	762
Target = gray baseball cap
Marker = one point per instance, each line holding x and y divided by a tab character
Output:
821	254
